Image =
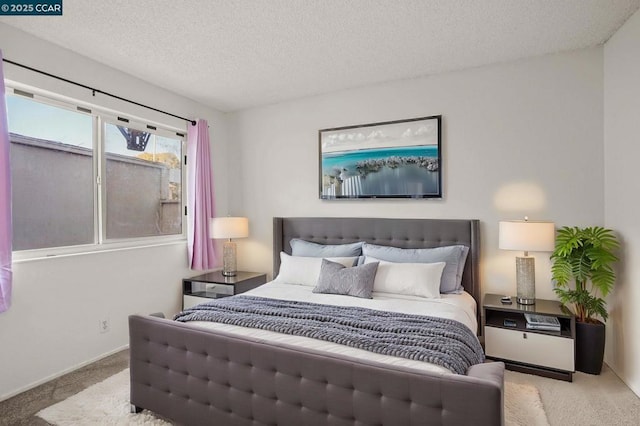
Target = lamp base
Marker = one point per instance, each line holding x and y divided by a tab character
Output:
525	280
229	268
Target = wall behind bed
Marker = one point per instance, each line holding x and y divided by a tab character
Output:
519	138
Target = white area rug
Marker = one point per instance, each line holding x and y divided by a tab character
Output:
523	406
107	403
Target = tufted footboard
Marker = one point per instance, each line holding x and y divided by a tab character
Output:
201	377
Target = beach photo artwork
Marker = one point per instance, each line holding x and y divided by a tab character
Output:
396	159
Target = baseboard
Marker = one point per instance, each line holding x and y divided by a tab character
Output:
60	374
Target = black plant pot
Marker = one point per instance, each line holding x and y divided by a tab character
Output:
589	346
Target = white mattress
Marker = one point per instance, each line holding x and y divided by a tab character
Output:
459	307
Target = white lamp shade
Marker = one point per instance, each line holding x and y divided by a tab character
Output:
526	235
229	227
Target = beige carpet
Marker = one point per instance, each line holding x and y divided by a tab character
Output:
589	400
107	403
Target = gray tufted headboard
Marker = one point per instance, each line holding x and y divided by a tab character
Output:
403	233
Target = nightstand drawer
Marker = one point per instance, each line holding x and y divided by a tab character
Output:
211	288
191	301
530	348
214	285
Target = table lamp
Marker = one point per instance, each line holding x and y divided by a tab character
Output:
527	236
228	228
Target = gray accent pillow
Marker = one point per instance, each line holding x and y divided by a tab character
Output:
454	257
308	249
355	281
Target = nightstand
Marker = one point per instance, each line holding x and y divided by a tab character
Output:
213	285
545	353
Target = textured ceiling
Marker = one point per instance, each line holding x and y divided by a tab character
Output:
235	54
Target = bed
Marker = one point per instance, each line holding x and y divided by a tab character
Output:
193	375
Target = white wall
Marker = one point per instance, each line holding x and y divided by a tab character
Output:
52	326
622	205
518	138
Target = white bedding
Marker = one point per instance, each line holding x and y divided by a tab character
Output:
459	307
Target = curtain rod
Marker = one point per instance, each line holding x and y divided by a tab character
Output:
193	122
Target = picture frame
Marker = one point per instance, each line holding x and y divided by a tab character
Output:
391	159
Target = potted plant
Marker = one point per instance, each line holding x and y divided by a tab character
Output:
585	256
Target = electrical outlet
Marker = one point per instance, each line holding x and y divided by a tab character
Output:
103	325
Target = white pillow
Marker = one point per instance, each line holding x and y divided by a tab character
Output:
454	257
411	279
305	270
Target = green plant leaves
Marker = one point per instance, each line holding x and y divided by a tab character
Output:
583	255
561	271
567	240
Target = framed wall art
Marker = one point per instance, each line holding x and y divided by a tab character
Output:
393	159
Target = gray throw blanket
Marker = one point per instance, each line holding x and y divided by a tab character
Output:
440	341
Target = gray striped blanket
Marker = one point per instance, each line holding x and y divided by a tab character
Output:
440	341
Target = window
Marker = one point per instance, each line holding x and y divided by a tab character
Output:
80	176
51	174
143	183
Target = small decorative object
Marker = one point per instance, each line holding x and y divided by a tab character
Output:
393	159
228	228
584	255
527	236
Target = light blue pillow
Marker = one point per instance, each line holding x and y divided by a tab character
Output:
308	249
454	257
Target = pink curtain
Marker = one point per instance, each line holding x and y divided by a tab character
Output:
5	203
200	206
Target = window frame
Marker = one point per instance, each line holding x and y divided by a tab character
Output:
100	116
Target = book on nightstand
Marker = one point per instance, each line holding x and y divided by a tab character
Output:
542	322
